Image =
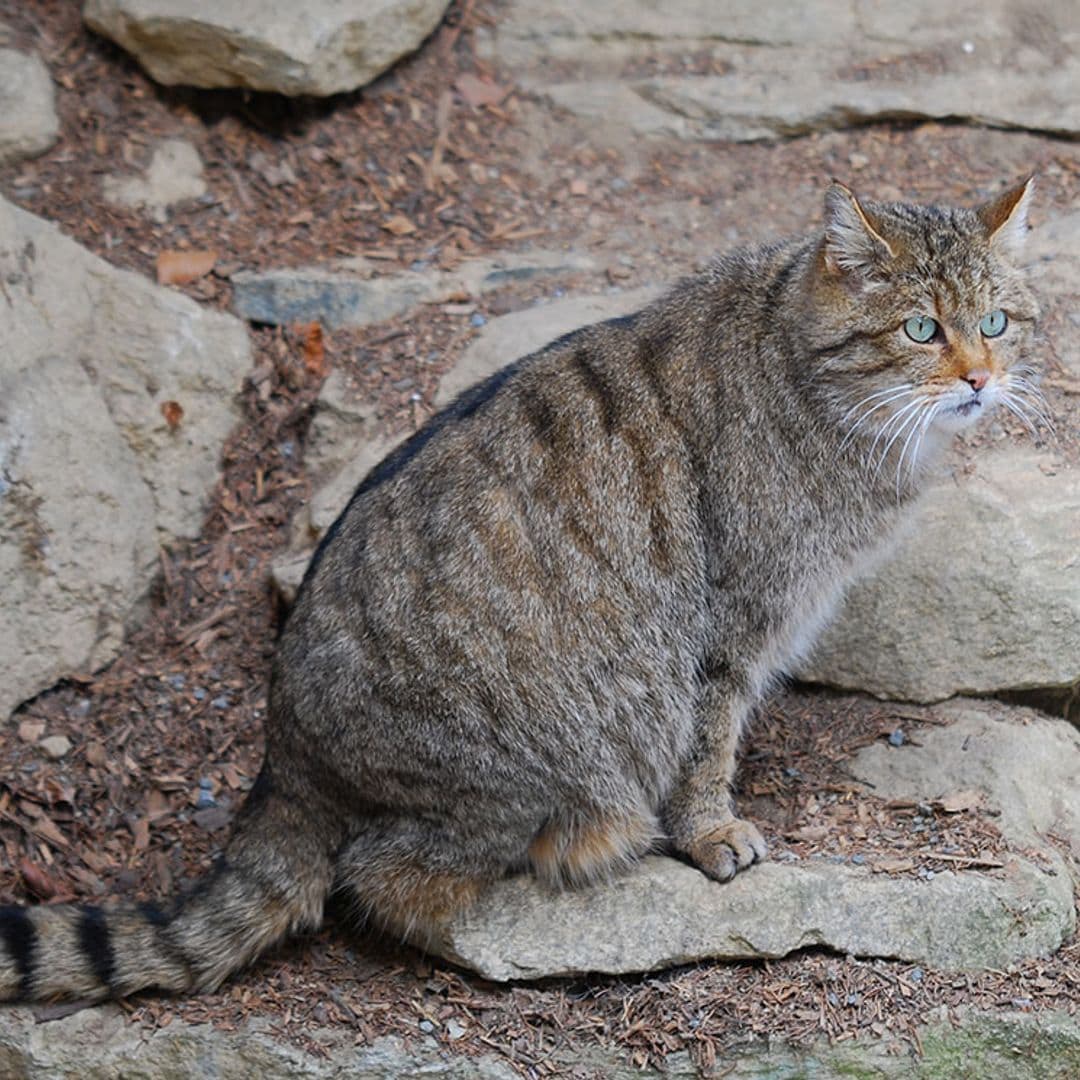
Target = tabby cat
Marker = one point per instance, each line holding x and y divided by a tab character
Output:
533	637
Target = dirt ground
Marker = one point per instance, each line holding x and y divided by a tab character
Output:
179	712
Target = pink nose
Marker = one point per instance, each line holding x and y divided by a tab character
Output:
977	378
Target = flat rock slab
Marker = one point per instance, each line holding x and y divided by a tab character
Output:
28	122
356	296
318	47
103	1044
92	477
665	913
787	68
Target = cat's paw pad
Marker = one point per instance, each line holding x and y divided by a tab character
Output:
727	849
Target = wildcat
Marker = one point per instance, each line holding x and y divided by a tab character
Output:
532	638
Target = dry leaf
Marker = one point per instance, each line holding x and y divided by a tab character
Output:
31	730
157	805
399	225
476	91
47	830
173	412
37	881
314	350
180	267
810	832
141	832
958	801
95	754
892	865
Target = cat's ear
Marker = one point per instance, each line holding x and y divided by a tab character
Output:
1006	218
852	240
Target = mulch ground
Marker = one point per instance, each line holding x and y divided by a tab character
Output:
425	169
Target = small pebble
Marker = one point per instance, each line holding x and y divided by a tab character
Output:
199	693
82	706
205	801
455	1030
833	999
853	999
477	319
177	682
427	1027
287	448
619	184
916	974
220	702
858	860
897	738
55	746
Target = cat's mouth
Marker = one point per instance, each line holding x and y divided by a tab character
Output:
966	408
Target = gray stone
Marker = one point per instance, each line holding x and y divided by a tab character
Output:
28	122
92	477
1025	764
664	912
102	1044
354	296
174	175
789	68
319	47
1000	610
55	746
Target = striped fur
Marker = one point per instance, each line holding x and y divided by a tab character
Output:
533	637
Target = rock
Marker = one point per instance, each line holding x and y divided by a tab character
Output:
28	122
102	1044
1001	612
286	573
55	746
783	69
664	912
174	175
1025	763
92	478
353	296
319	47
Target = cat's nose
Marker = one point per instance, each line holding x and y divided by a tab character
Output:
977	378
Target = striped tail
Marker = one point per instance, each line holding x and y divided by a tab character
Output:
272	881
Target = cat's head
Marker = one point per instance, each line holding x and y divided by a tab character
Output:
922	318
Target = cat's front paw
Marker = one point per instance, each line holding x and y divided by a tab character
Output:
725	850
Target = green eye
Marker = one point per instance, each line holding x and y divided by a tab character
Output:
993	325
922	328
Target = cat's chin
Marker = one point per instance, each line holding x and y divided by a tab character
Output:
964	413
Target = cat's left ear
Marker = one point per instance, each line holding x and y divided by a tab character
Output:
1006	218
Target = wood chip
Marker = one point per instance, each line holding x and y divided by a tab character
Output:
181	267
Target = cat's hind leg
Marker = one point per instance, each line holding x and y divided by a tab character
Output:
700	814
408	880
579	848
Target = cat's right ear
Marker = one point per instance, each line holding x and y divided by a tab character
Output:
852	243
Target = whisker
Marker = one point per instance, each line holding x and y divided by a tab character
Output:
915	428
932	411
854	429
912	411
1036	404
1013	405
